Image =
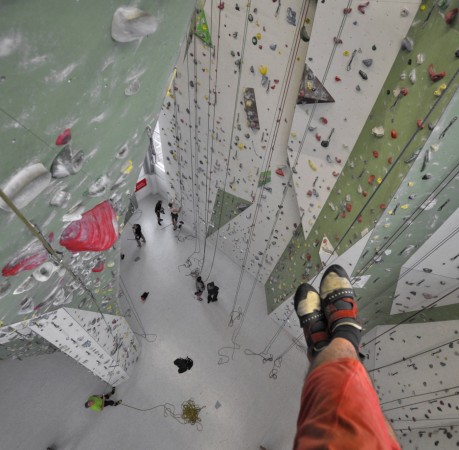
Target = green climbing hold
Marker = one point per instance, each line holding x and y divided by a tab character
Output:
201	29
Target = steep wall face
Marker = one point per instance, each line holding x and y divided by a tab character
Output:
74	106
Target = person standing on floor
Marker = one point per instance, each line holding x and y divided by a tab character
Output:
339	406
159	210
138	234
200	288
99	402
212	292
174	209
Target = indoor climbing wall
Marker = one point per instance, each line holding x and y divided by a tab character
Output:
414	371
103	343
407	110
74	104
225	126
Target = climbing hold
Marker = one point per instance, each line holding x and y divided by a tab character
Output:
348	207
407	44
412	76
420	124
96	231
363	75
273	47
378	131
367	62
456	53
337	78
347	10
337	41
258	35
440	89
427	176
382	206
252	69
318	137
312	165
304	34
451	15
250	18
434	76
371	179
404	12
403	75
357	88
280	172
263	70
324	120
443	4
362	7
66	163
346	53
422	7
390	160
130	24
375	153
64	137
420	58
291	16
359	219
335	174
221	5
254	40
393	134
373	47
309	193
379	180
410	183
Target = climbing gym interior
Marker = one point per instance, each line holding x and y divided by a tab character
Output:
290	135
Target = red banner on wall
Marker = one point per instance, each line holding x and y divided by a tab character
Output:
140	184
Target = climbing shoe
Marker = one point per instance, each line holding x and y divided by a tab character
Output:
338	299
312	318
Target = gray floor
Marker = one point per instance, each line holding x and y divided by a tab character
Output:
43	405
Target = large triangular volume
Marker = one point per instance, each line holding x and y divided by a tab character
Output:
227	207
202	30
312	90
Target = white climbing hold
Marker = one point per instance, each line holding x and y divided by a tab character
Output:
130	23
378	131
420	58
413	76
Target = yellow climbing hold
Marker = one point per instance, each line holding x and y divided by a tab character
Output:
258	36
346	53
127	167
263	70
312	165
293	134
404	206
422	7
410	183
309	85
240	145
379	180
440	89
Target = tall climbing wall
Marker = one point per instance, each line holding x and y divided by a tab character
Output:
79	84
362	171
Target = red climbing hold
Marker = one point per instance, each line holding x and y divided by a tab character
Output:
420	124
98	267
393	134
64	137
309	193
362	7
371	179
324	120
308	257
404	91
221	5
347	10
318	137
382	206
343	214
364	193
348	207
337	78
359	219
338	160
434	76
451	15
335	174
96	231
390	160
29	258
280	172
375	153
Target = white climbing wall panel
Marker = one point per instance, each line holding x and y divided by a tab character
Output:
373	35
415	377
104	344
